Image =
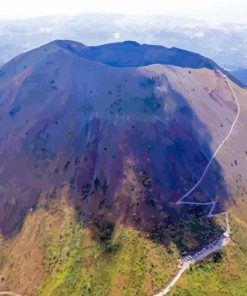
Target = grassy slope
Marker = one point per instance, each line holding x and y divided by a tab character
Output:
225	273
55	255
129	264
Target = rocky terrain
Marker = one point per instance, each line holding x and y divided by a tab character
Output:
120	132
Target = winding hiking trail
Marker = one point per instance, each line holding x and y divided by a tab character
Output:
180	201
224	239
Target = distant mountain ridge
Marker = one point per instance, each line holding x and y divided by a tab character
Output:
241	75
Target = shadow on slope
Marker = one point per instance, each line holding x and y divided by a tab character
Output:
124	150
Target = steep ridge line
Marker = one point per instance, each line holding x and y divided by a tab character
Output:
180	201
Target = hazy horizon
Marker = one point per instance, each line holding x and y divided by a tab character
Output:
212	12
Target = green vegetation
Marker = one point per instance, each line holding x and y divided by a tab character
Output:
223	273
188	235
60	256
106	261
109	259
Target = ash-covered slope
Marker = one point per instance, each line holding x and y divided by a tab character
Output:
125	142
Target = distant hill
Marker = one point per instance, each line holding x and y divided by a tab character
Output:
241	75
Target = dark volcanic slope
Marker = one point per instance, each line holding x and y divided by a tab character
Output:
126	143
133	54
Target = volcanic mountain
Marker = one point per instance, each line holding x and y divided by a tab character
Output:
126	128
121	132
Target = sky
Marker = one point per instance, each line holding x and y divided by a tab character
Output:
209	10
